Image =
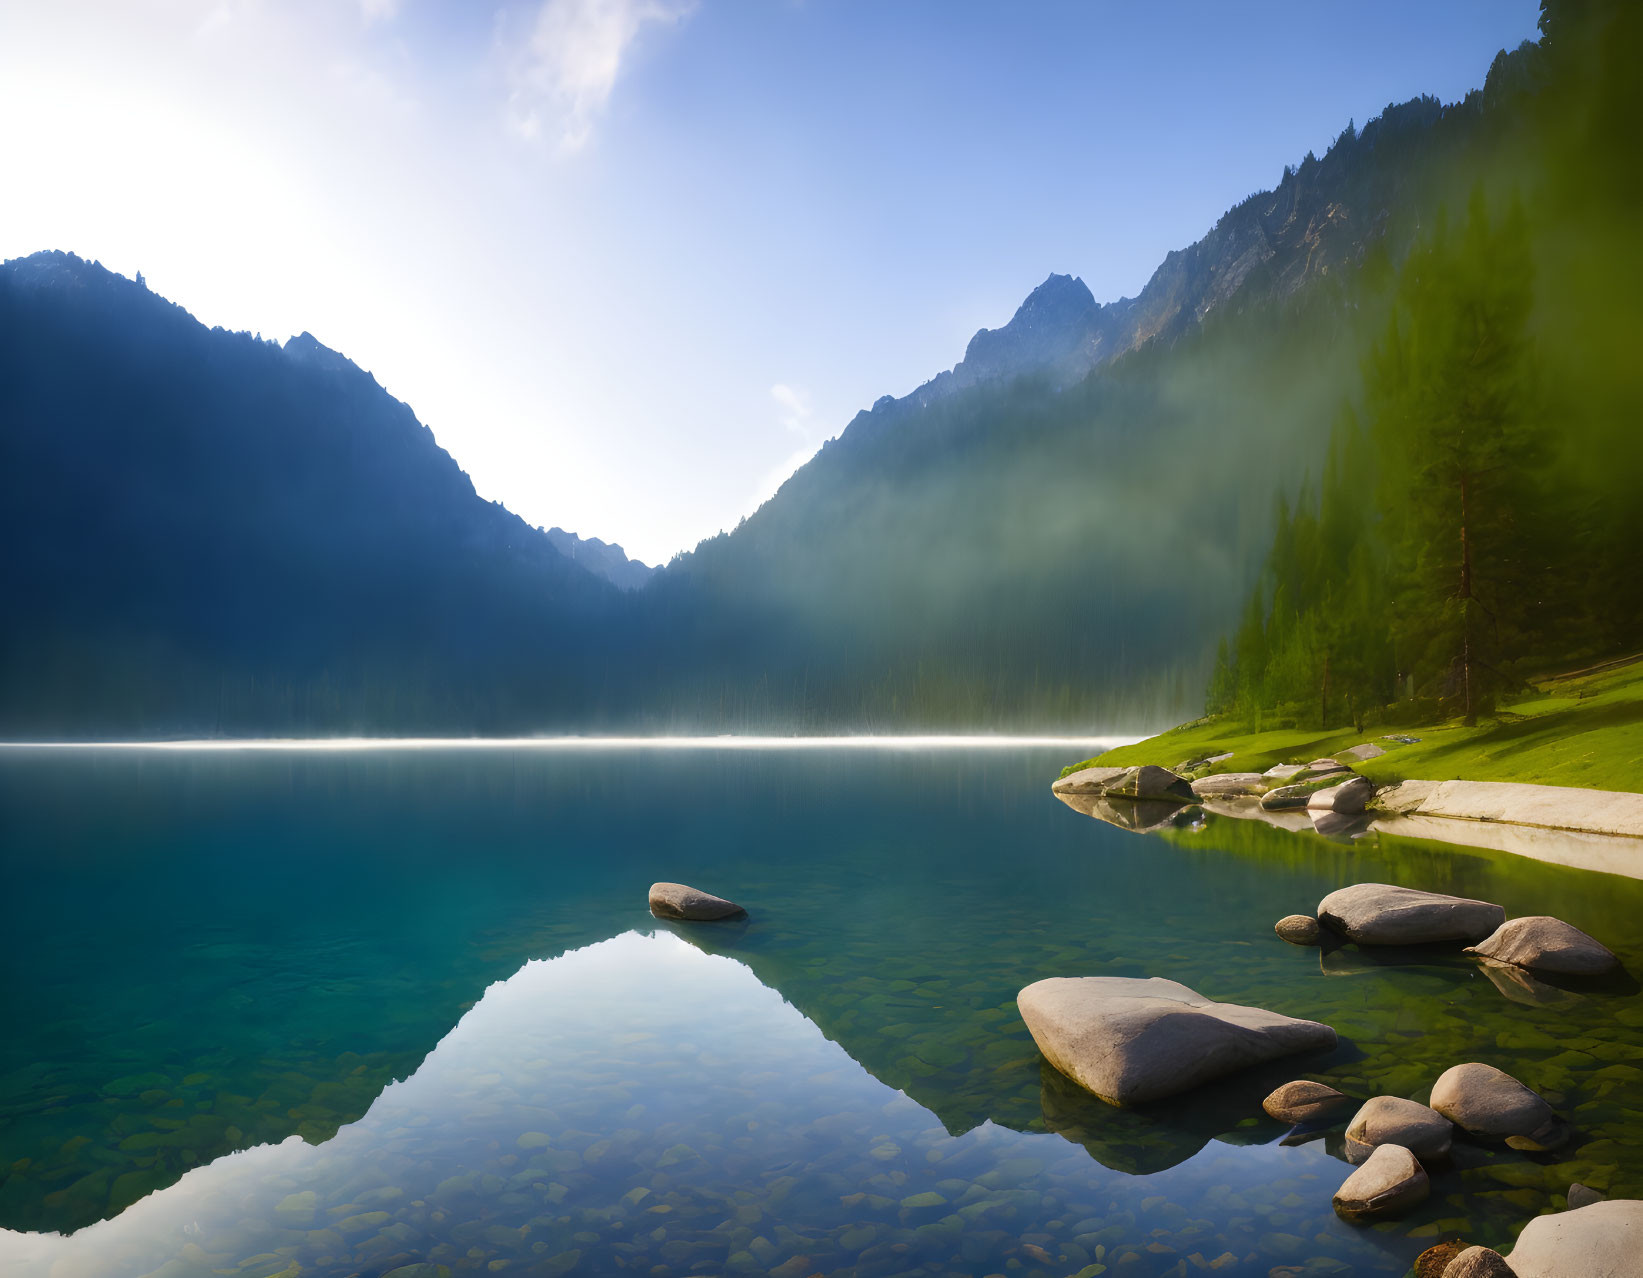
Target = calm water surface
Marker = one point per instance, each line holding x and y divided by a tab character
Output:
341	1013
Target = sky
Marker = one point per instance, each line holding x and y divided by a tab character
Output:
633	261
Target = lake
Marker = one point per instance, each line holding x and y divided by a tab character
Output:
340	1012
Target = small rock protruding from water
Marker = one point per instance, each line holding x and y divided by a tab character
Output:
1299	929
1386	914
1391	1120
1283	771
1478	1262
1600	1238
1490	1102
1544	944
679	901
1087	781
1303	1101
1391	1181
1151	782
1584	1196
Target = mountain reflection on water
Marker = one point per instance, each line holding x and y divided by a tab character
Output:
213	952
640	1103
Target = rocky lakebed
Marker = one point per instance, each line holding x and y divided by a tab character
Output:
878	1015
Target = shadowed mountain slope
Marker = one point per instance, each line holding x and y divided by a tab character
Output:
209	532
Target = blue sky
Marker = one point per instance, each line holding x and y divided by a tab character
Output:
634	260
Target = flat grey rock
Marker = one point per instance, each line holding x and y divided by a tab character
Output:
1368	750
1134	1039
1087	781
1490	1102
1385	914
1544	944
1283	771
1584	1196
1348	798
1405	796
679	901
1602	1240
1391	1120
1303	1101
1391	1181
1230	785
1557	807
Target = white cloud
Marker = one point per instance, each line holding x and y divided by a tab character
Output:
378	10
795	406
561	71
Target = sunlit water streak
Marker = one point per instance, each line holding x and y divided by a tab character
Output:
727	742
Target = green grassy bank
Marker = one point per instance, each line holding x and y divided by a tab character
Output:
1584	728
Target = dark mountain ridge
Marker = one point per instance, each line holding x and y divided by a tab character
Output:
603	559
205	529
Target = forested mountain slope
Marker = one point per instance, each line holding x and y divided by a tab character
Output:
1053	531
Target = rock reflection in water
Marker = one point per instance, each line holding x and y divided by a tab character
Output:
642	1106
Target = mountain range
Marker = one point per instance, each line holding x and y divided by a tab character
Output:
211	533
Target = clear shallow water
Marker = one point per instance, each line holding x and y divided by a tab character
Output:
210	954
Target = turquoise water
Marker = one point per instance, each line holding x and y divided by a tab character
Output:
339	1013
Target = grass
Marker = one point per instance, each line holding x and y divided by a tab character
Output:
1584	729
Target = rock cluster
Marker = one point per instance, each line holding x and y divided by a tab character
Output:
1148	782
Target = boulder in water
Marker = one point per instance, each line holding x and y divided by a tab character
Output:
1603	1238
678	901
1478	1262
1544	944
1390	1181
1391	1120
1490	1102
1299	929
1385	914
1303	1101
1434	1260
1135	1039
